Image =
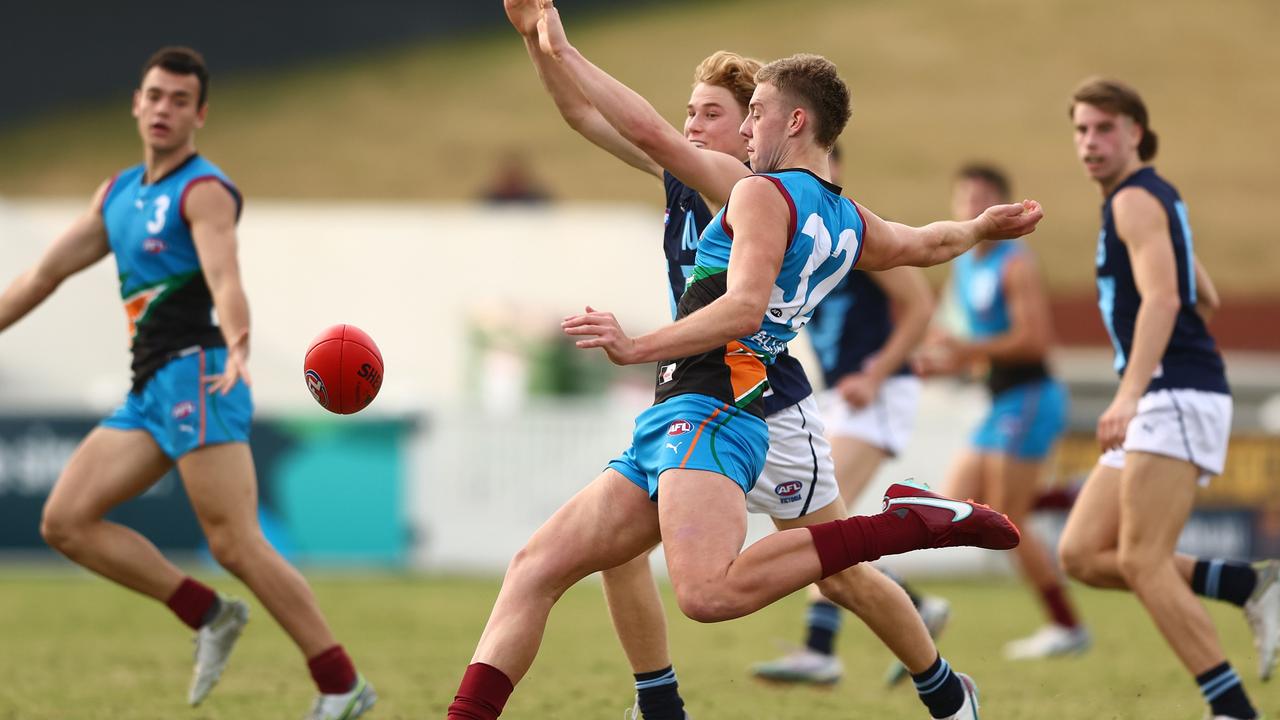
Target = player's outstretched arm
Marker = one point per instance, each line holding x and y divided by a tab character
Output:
212	212
889	244
760	218
83	244
1143	226
711	173
574	107
1030	321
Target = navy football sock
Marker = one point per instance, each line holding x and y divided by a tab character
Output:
824	623
659	695
1222	690
1224	580
940	689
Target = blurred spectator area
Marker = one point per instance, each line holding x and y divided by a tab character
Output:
74	51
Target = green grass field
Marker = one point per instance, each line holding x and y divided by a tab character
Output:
74	647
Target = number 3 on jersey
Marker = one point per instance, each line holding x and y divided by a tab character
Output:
156	224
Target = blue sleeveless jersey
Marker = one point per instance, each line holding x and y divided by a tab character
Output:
851	325
825	238
686	217
1191	359
978	286
165	296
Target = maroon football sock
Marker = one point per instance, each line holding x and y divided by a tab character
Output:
482	694
1059	607
191	602
333	671
844	543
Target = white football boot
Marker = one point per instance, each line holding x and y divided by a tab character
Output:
801	666
1049	641
214	642
344	706
1262	610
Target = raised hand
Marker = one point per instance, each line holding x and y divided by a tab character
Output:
551	37
524	15
1003	222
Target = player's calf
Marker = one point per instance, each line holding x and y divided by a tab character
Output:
913	519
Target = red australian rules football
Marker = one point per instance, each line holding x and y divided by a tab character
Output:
343	369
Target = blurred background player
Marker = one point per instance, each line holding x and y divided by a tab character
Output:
171	224
711	156
1006	311
710	396
1170	421
862	333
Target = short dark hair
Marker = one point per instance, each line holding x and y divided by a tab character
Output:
813	81
181	61
1114	96
989	174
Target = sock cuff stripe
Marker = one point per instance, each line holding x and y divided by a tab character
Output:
1215	687
668	678
935	681
829	624
1213	578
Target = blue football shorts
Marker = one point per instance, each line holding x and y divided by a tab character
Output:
175	407
695	432
1025	421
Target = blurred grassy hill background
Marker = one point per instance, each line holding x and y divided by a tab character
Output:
934	84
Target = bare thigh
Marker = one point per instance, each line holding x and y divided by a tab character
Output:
856	462
109	467
964	478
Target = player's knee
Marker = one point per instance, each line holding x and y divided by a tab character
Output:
706	604
1077	562
59	529
842	589
1135	565
230	550
537	571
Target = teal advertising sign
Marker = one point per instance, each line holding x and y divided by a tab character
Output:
331	491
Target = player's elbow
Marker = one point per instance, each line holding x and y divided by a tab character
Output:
1165	302
40	283
745	321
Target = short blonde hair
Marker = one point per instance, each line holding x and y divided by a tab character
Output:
731	71
812	81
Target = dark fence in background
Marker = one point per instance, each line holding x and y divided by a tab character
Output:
66	53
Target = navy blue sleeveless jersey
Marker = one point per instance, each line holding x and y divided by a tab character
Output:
851	325
162	285
1191	359
687	216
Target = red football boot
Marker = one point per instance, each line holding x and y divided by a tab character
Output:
951	522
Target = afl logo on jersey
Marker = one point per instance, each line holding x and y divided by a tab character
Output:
680	427
183	410
154	246
317	388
